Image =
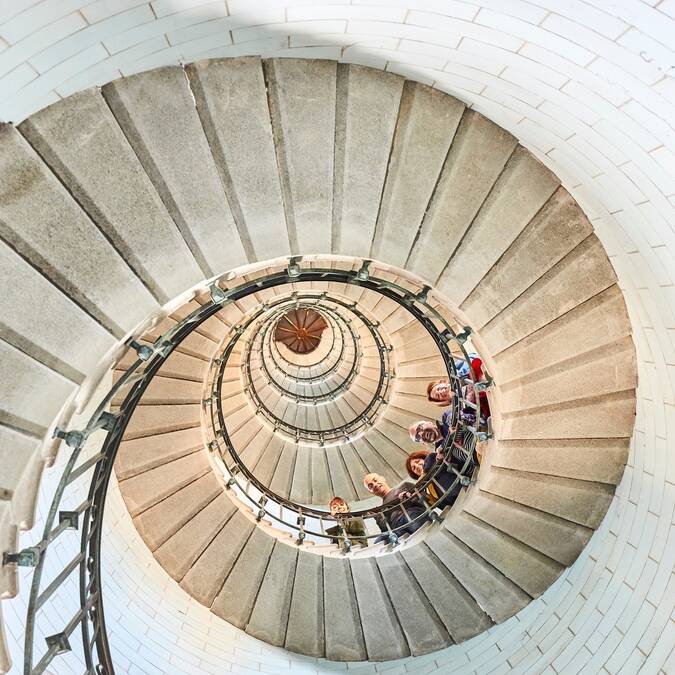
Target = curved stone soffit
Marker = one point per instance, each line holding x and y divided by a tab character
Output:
360	155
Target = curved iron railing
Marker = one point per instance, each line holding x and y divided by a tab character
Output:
94	468
261	497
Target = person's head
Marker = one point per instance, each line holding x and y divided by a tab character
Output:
439	392
424	431
338	505
376	484
415	463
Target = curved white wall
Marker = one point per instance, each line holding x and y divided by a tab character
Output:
589	87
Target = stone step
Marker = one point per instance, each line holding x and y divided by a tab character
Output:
384	638
591	325
427	121
342	624
455	607
83	263
477	156
236	599
269	617
176	157
366	113
148	488
81	141
603	371
165	391
150	420
9	543
558	228
606	416
301	95
424	631
523	187
305	627
581	274
239	132
179	553
143	454
527	568
161	521
599	460
495	594
581	502
556	538
207	574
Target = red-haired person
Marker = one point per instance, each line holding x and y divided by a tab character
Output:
419	463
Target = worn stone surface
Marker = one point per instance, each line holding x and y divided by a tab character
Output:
322	489
149	420
455	607
559	539
424	631
558	227
305	631
608	416
232	104
81	141
522	189
529	569
235	600
595	323
367	109
301	489
478	153
581	502
176	156
60	335
269	617
150	487
593	459
344	635
283	473
205	578
497	596
33	395
142	454
78	259
427	121
179	552
162	520
382	632
339	475
301	96
167	391
603	371
580	275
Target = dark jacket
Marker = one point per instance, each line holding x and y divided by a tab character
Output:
441	482
396	517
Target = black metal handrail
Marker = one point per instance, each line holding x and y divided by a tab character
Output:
135	379
441	337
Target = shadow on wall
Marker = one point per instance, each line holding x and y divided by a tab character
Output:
122	43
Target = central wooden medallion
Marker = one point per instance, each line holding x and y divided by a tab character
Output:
300	330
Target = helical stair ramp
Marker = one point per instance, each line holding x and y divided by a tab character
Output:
160	231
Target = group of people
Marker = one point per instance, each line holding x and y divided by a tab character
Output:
450	453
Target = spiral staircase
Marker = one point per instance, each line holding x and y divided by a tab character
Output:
162	227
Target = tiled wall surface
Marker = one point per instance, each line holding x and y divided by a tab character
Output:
589	87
